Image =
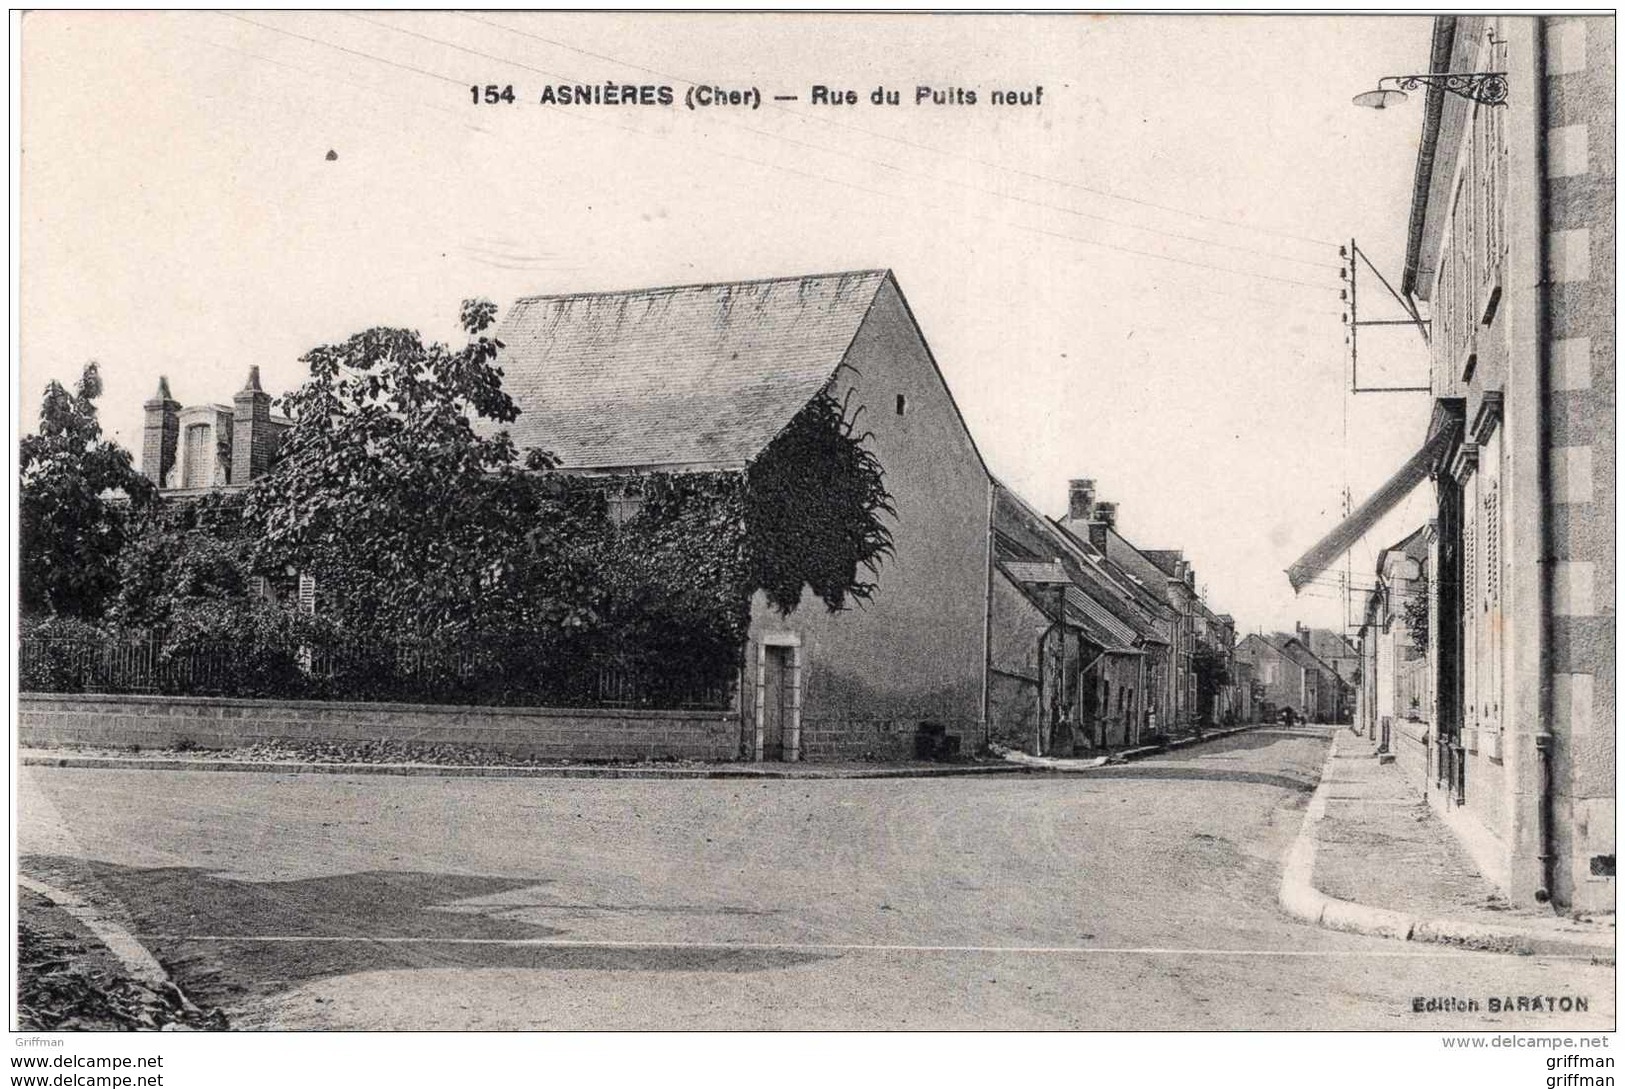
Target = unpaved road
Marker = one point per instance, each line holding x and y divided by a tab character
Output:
1140	897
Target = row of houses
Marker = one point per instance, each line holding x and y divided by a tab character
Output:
992	623
1488	644
1310	671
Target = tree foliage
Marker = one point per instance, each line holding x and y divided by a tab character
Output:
386	490
180	555
1414	612
72	513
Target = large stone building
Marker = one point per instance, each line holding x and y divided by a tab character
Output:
1511	249
703	378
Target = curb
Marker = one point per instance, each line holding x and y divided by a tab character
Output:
498	771
590	771
1301	899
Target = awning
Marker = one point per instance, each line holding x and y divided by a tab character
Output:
1443	432
1080	610
1104	629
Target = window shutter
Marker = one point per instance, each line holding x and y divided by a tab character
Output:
307	594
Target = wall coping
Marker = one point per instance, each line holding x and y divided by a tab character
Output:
365	707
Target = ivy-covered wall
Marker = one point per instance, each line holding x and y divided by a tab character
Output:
915	651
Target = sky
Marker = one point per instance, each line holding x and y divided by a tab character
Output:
1134	280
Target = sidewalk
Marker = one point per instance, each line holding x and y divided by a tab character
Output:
1373	858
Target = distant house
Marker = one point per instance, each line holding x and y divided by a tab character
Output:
1279	678
704	377
210	447
1327	696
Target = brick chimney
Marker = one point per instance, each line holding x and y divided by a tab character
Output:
251	438
1100	525
1080	500
161	434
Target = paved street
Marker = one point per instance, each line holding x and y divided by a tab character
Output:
1141	896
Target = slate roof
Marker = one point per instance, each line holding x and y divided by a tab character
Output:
706	374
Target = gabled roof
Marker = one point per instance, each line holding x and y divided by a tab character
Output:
1325	644
1294	648
700	375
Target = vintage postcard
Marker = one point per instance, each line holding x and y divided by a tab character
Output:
816	521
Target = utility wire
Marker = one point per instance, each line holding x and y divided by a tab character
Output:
882	164
345	49
1086	241
460	115
779	167
1050	179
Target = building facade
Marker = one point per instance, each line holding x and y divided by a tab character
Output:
1511	251
703	378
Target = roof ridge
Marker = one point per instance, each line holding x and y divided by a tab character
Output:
699	285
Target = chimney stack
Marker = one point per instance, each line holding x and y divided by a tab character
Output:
1080	500
251	437
161	434
1100	525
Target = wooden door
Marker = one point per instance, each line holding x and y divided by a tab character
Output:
775	702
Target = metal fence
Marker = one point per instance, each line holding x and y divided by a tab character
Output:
362	671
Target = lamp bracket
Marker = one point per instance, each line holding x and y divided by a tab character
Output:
1487	88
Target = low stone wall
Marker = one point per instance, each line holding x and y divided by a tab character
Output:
159	722
875	739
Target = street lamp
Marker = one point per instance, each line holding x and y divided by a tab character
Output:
1485	88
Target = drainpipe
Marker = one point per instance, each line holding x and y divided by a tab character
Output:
1544	739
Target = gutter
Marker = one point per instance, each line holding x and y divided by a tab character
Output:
1544	739
1444	40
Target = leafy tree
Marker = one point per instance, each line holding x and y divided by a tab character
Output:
1414	612
386	491
71	524
1212	671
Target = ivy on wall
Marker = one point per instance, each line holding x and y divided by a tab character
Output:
816	507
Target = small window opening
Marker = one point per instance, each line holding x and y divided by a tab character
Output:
902	404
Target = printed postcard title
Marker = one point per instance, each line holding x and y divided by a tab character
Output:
708	96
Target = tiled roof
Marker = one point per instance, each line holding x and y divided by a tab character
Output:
699	375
